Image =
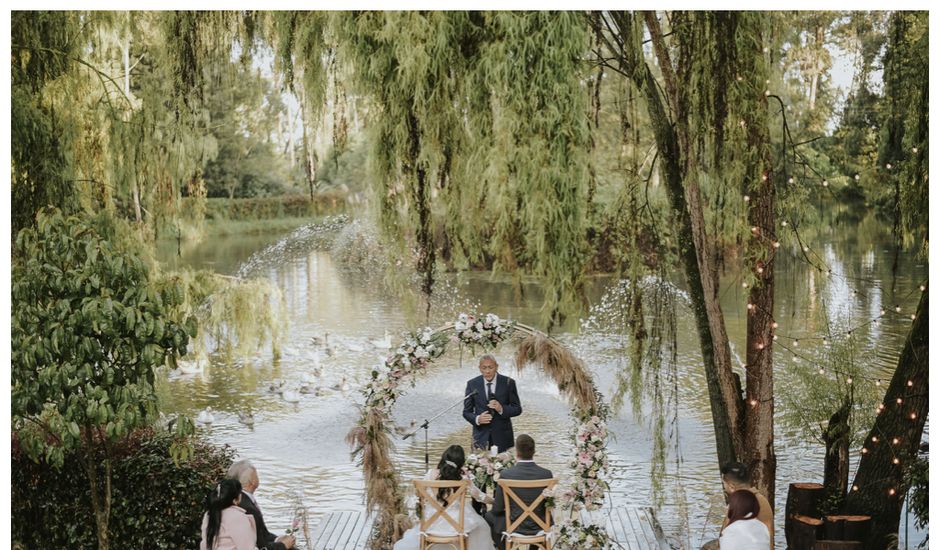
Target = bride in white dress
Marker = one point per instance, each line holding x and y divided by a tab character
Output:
451	468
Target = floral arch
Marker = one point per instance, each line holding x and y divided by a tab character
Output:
372	443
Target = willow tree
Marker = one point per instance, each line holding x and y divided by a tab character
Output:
710	117
479	134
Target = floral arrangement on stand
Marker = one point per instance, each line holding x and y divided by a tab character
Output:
487	332
483	470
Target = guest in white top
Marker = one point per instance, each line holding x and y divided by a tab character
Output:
225	526
744	530
478	531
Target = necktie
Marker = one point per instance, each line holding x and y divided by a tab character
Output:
489	391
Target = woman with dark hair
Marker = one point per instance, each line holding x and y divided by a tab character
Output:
226	526
450	467
744	531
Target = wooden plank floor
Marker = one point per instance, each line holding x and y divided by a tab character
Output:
341	531
633	527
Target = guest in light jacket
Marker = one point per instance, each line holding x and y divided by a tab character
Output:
225	525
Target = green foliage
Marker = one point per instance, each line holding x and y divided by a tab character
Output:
284	206
87	332
245	113
157	502
918	480
811	398
234	315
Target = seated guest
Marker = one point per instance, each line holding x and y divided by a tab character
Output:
744	531
450	468
525	469
246	473
226	526
735	477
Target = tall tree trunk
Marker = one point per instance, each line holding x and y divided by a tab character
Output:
135	189
836	438
722	390
100	497
893	441
760	254
679	171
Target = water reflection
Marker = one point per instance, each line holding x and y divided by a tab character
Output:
299	447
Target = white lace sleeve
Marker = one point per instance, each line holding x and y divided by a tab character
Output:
432	474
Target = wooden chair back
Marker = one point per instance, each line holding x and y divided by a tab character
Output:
427	495
510	486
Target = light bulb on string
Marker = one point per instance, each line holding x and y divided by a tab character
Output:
791	180
774	324
848	380
747	198
864	450
923	288
874	439
857	177
822	370
900	401
776	244
913	316
891	492
825	183
895	441
896	460
805	249
855	487
897	309
784	223
913	416
744	285
914	149
796	343
910	383
882	312
888	166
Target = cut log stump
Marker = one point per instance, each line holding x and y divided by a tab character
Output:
805	532
802	500
847	528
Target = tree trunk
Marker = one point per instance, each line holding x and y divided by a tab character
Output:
100	498
836	437
685	198
893	442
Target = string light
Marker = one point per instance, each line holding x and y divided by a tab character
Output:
750	306
891	492
910	383
857	177
764	177
913	416
822	370
896	460
755	230
767	93
760	346
878	383
914	149
864	451
849	381
922	287
900	400
825	183
747	198
761	270
753	402
784	223
796	343
744	285
776	244
895	441
855	487
791	180
897	309
805	249
888	166
913	316
874	439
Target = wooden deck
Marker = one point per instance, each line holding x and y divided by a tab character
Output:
633	527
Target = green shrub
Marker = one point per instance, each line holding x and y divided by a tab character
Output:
284	206
155	502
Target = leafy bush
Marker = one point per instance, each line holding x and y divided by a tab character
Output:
156	503
285	206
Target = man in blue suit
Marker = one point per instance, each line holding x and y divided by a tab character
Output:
491	408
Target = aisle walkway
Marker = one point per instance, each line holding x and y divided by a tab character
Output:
633	527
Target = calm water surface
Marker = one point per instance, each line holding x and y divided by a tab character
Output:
299	448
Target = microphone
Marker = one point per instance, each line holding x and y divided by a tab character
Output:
471	394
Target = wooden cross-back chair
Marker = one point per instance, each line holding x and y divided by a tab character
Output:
515	540
427	495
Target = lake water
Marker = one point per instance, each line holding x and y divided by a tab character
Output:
299	448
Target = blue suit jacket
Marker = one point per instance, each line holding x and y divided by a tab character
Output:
499	431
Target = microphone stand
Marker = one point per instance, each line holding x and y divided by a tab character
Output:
427	422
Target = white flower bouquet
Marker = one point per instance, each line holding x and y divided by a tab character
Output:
483	470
